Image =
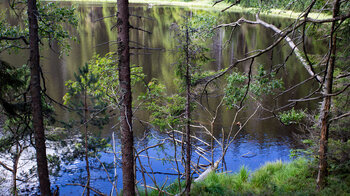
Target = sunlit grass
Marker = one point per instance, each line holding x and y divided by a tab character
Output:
276	178
297	177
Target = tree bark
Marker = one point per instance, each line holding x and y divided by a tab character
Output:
126	99
86	143
188	116
326	105
14	171
35	91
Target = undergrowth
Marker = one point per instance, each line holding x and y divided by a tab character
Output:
297	177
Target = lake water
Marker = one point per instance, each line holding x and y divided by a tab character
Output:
259	142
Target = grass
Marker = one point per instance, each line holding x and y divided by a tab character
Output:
297	177
276	178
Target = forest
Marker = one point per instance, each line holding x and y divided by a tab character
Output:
193	97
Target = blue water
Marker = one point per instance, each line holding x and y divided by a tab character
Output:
246	150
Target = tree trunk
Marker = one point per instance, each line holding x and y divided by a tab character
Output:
35	91
326	105
126	99
14	170
188	116
87	187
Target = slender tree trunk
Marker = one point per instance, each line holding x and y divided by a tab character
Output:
326	105
35	91
14	177
188	116
126	99
14	171
86	145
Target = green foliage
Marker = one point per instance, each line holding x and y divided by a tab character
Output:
339	159
100	79
7	30
165	110
223	184
291	116
307	151
54	163
235	89
13	84
168	111
266	83
16	111
84	87
201	26
261	84
192	53
52	19
294	178
174	187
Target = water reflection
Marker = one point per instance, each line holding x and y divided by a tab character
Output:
260	141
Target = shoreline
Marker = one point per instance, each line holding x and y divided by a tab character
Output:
206	5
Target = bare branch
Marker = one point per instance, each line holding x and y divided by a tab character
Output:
6	167
328	20
99	19
340	117
218	1
139	29
15	38
235	3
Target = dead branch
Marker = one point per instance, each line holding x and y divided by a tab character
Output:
235	3
192	136
216	2
295	86
149	147
108	177
279	32
340	117
6	167
329	20
102	18
139	29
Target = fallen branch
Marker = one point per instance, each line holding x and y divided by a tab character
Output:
208	171
279	32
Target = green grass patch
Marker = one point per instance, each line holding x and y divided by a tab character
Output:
295	178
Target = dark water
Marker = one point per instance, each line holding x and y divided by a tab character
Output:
259	142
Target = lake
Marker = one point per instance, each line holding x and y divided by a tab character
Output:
263	139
